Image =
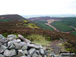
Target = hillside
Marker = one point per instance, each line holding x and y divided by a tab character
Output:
13	20
11	17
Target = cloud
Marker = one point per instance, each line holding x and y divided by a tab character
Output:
37	7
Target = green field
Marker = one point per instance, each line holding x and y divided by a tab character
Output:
42	25
70	21
61	26
74	33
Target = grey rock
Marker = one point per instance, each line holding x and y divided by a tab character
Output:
35	54
17	45
20	53
2	48
31	51
35	46
12	46
24	39
10	52
1	36
12	42
42	51
24	47
18	40
23	56
1	55
22	43
25	52
11	37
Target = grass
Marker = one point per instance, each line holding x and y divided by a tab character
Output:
74	33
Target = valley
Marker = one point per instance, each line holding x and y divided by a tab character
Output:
59	24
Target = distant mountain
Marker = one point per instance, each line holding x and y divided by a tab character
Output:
44	18
39	18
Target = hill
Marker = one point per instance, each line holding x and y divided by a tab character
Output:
13	20
11	17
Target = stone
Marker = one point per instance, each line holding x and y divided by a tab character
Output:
34	46
1	36
31	51
9	52
25	52
20	47
42	51
24	47
17	45
2	48
35	54
20	53
18	40
22	43
12	42
24	39
1	55
12	46
23	56
11	37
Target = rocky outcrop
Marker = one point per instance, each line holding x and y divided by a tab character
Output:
18	46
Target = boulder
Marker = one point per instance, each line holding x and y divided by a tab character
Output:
35	46
23	56
12	46
31	51
20	53
24	47
23	43
2	48
10	52
17	45
35	54
42	51
1	36
11	37
18	40
23	39
1	55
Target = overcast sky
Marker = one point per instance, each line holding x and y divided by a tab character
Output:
37	7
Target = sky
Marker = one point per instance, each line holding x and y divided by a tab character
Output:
37	7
